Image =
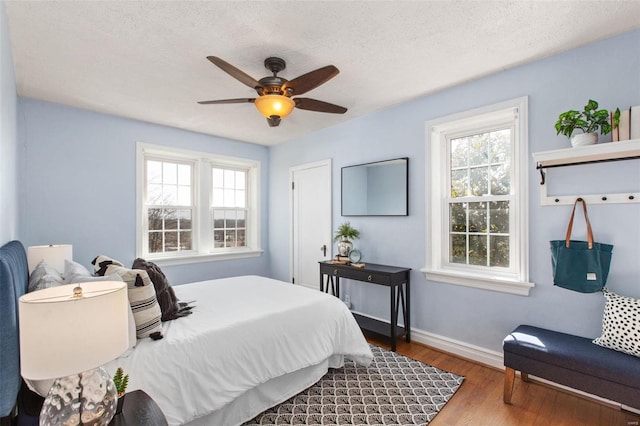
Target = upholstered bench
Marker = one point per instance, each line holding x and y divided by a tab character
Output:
571	361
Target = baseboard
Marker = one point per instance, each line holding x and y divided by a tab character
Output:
461	349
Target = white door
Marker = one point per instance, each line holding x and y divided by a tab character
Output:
311	221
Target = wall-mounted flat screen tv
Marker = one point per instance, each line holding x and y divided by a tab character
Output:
376	189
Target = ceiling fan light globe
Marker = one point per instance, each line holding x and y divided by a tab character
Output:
274	105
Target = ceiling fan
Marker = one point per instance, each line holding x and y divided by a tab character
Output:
275	93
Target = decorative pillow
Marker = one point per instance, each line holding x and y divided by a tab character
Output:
620	324
101	262
44	276
142	296
164	293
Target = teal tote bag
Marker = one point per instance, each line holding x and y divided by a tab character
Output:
580	265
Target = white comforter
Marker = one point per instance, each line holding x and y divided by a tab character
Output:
243	332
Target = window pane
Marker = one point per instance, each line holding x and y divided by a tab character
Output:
154	194
479	181
500	180
218	198
478	149
184	196
154	172
185	240
184	174
170	194
218	219
499	217
459	152
241	241
500	146
170	241
218	239
459	183
170	219
499	251
230	219
477	250
240	180
229	198
240	199
184	217
229	179
155	219
218	178
458	249
477	217
241	215
230	238
458	216
169	173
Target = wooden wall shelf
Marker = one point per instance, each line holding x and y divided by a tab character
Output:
599	153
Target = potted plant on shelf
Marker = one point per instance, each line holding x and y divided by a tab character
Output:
121	381
590	120
344	234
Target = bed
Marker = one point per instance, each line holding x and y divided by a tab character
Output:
251	343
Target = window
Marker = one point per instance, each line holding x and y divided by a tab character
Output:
477	213
195	206
229	207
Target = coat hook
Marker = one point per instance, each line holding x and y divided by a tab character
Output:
604	198
541	176
631	197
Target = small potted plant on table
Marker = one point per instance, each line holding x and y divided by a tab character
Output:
590	120
344	234
121	381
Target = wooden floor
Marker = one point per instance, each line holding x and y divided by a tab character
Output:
479	400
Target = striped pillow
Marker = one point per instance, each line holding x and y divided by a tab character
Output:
142	296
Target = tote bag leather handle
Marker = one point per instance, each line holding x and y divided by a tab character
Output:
586	220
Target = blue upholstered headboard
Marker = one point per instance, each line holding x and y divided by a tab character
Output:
14	278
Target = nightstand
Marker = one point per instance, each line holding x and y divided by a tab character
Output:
139	410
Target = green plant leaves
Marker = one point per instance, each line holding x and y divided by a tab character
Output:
589	120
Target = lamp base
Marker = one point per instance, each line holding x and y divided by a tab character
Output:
88	398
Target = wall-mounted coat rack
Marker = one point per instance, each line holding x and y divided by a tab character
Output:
599	153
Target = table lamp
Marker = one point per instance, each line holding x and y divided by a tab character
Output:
53	254
67	333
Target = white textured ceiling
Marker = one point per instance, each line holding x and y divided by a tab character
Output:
146	60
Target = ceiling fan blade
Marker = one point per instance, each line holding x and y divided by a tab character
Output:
235	72
228	101
319	106
311	80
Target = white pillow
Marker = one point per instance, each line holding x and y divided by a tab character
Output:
620	324
44	276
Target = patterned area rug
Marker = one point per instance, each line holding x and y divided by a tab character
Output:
393	390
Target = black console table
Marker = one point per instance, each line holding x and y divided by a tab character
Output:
396	278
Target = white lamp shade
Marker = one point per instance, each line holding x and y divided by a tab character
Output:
60	336
54	255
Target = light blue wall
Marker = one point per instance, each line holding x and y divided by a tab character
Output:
8	138
79	184
608	71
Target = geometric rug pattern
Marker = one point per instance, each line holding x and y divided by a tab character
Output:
393	390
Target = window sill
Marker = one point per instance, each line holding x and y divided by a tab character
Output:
499	284
208	257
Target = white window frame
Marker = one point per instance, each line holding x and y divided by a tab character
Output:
515	279
202	226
